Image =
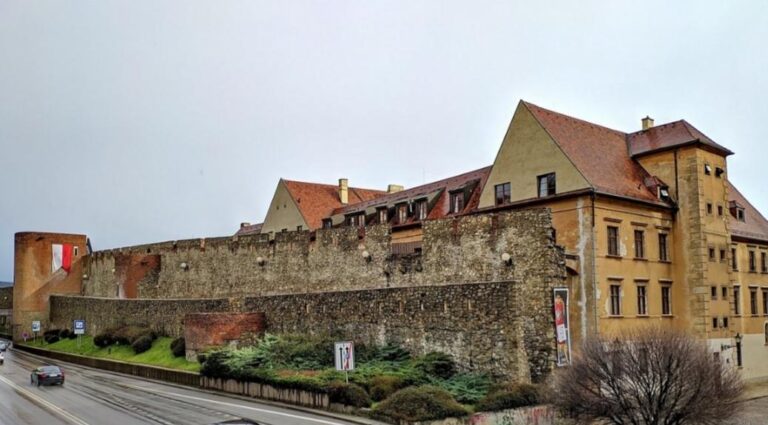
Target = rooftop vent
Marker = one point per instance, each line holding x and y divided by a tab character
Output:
394	188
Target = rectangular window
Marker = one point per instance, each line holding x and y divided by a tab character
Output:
707	169
713	292
642	300
666	301
663	254
753	301
327	223
639	244
547	185
722	255
402	213
709	208
383	215
615	300
752	262
765	302
503	193
77	251
613	240
421	209
736	300
711	254
734	260
357	220
720	210
764	262
725	322
714	323
457	202
725	293
299	227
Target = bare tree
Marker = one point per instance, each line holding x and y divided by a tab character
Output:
649	376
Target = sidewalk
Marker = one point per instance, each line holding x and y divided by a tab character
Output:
756	389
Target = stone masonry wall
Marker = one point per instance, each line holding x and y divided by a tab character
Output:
455	250
6	298
164	316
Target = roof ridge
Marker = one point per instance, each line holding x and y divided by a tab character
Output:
332	185
741	195
638	132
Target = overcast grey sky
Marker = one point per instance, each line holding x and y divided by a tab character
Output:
146	121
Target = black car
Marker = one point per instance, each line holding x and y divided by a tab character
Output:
47	375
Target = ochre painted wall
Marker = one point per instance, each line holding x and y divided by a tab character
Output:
283	212
527	152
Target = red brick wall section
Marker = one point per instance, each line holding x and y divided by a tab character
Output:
132	269
205	330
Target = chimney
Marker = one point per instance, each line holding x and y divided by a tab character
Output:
344	191
647	122
394	188
244	224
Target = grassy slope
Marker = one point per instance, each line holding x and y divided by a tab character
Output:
159	355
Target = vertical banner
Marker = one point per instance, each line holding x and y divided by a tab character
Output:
61	257
562	326
345	355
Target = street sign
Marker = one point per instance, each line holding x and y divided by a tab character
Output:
79	327
345	355
35	326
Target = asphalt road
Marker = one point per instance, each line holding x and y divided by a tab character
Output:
94	397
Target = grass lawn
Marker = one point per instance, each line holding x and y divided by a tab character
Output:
159	355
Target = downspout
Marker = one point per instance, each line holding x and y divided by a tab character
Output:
594	263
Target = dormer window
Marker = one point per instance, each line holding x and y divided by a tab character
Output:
327	223
402	213
707	169
383	215
457	202
719	172
740	214
356	220
663	192
421	209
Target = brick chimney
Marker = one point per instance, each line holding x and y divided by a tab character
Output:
344	191
647	122
394	188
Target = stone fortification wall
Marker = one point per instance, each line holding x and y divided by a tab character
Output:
454	250
164	316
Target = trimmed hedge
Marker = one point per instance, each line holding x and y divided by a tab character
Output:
348	394
509	397
103	340
142	344
420	404
178	347
383	386
51	338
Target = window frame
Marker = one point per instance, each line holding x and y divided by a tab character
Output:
615	298
753	301
454	197
666	299
737	300
642	299
401	212
752	261
613	241
505	194
664	247
551	185
640	244
422	209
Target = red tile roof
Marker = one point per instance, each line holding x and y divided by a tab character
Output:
668	136
441	207
317	201
754	226
251	229
599	153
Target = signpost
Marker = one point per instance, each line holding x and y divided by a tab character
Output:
35	328
344	353
79	327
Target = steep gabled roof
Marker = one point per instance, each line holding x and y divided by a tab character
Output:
476	179
668	136
317	201
754	226
599	153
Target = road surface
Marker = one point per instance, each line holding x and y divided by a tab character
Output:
92	397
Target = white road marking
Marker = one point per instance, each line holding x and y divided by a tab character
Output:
46	404
272	412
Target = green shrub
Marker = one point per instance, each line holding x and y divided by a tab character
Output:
51	338
72	335
509	396
348	394
178	347
142	344
103	340
383	386
127	335
437	364
420	404
468	388
64	334
51	332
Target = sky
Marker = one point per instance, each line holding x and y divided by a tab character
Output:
146	121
